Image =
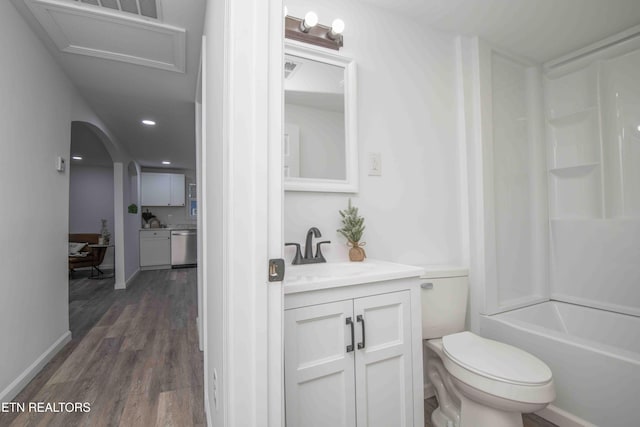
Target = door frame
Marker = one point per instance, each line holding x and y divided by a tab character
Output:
248	381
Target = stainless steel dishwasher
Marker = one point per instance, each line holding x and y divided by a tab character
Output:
184	248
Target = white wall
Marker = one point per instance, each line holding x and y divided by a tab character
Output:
37	107
407	112
90	200
35	118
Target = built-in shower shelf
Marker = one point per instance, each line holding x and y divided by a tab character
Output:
574	171
572	118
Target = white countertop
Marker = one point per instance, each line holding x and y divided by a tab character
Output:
172	227
310	277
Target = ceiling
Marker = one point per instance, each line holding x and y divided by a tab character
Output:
540	30
122	93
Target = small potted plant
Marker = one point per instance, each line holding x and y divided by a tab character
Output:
352	229
132	208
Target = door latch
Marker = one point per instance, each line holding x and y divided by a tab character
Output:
276	270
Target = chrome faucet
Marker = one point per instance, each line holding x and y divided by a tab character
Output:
308	257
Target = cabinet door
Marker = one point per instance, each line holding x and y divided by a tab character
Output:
155	189
384	383
319	372
177	189
155	251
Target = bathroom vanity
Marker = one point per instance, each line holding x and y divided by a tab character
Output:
353	345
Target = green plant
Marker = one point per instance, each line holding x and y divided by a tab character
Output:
133	208
352	224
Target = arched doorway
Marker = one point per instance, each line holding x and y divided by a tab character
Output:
91	190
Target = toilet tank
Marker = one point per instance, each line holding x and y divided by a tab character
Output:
444	301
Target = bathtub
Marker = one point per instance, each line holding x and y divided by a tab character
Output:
594	356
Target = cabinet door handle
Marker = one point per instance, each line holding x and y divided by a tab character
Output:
361	344
350	323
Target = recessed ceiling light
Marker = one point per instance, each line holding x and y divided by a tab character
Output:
76	157
638	128
148	122
166	162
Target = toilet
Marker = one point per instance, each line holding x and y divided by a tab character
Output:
478	382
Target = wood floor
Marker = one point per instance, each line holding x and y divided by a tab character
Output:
529	420
134	356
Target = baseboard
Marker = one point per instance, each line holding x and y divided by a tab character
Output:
132	278
156	267
23	379
562	418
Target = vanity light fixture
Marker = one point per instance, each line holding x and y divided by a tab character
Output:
148	122
308	30
76	157
166	162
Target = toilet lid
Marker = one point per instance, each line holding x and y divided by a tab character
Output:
495	359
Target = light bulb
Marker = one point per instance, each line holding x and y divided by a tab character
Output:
337	26
310	21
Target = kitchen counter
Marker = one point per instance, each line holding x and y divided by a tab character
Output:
174	227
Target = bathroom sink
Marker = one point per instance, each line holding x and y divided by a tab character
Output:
300	278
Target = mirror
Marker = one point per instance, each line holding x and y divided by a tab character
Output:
320	139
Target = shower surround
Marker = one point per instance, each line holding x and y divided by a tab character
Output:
554	197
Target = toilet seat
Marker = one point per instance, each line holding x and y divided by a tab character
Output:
495	360
497	368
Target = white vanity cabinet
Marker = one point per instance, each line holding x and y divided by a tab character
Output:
162	189
370	379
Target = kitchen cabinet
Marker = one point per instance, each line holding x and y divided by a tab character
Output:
353	356
162	189
155	249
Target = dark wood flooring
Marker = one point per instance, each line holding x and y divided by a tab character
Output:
529	420
134	356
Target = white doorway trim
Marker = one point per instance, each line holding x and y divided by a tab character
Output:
275	333
253	120
242	212
118	226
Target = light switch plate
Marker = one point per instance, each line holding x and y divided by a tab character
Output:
375	164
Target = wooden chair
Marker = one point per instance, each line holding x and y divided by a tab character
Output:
94	256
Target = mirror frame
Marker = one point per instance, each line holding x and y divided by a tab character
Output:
350	183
